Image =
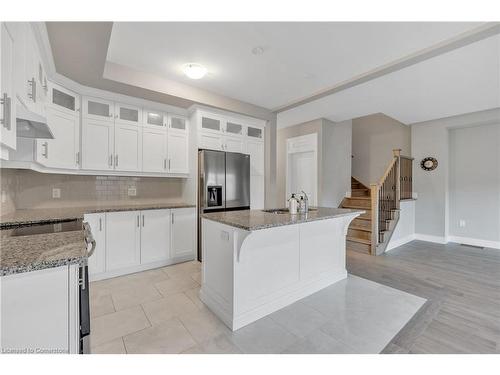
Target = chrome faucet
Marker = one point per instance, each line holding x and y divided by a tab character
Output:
305	208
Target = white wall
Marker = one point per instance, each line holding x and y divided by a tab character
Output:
405	229
475	182
432	138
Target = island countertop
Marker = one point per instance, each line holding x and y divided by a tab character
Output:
252	220
54	215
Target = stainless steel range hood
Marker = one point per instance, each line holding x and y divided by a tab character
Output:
31	125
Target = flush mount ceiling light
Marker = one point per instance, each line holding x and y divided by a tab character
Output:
194	71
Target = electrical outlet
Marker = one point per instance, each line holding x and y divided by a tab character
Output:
132	191
56	193
461	223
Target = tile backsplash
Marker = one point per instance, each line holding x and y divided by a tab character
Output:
28	189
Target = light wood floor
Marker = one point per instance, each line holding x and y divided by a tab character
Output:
461	284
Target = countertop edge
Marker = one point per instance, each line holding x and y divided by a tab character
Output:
269	226
38	266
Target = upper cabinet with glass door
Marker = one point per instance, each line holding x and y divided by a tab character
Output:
255	132
177	123
210	124
234	128
128	114
153	118
98	109
63	100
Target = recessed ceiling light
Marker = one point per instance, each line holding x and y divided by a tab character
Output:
194	71
258	50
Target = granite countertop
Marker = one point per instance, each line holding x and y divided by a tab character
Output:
257	219
54	215
40	251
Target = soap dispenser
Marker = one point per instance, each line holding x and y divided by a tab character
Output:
293	204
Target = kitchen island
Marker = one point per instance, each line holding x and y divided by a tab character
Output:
257	262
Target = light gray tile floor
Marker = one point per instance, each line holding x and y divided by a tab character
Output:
354	315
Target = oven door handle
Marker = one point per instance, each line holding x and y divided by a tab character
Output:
89	239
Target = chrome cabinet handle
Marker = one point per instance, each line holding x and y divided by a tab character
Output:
168	164
46	147
100	224
110	161
164	163
78	157
45	86
6	103
172	217
116	160
138	221
32	95
143	220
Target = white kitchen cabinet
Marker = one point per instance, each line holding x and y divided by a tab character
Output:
210	141
155	236
63	100
35	310
232	144
255	149
7	90
183	233
177	123
98	109
210	123
97	262
97	144
123	248
255	132
153	118
128	147
178	152
64	150
154	149
128	114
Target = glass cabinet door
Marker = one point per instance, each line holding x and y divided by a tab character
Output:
178	123
153	118
98	109
211	124
63	100
234	128
254	132
127	114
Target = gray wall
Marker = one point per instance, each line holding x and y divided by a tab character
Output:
373	139
475	182
432	138
334	159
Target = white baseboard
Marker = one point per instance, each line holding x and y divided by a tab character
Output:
426	237
400	241
475	242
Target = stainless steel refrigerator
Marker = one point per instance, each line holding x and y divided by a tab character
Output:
223	183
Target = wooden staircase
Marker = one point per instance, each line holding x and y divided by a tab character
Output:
359	233
370	232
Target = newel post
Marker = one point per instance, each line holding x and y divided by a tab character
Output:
374	218
397	155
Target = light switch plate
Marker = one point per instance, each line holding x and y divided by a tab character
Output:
56	193
461	223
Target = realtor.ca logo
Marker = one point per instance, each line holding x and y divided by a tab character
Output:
33	351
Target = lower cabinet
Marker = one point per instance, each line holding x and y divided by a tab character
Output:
39	311
155	235
122	240
183	232
132	241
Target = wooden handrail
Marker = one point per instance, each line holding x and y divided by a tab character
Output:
387	171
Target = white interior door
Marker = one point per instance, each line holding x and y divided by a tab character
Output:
122	240
97	144
302	167
177	149
63	150
128	147
155	236
154	150
183	232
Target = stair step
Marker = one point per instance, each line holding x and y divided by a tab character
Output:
358	240
354	206
359	192
359	234
360	227
358	247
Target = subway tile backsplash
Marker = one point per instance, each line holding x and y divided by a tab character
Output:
28	189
